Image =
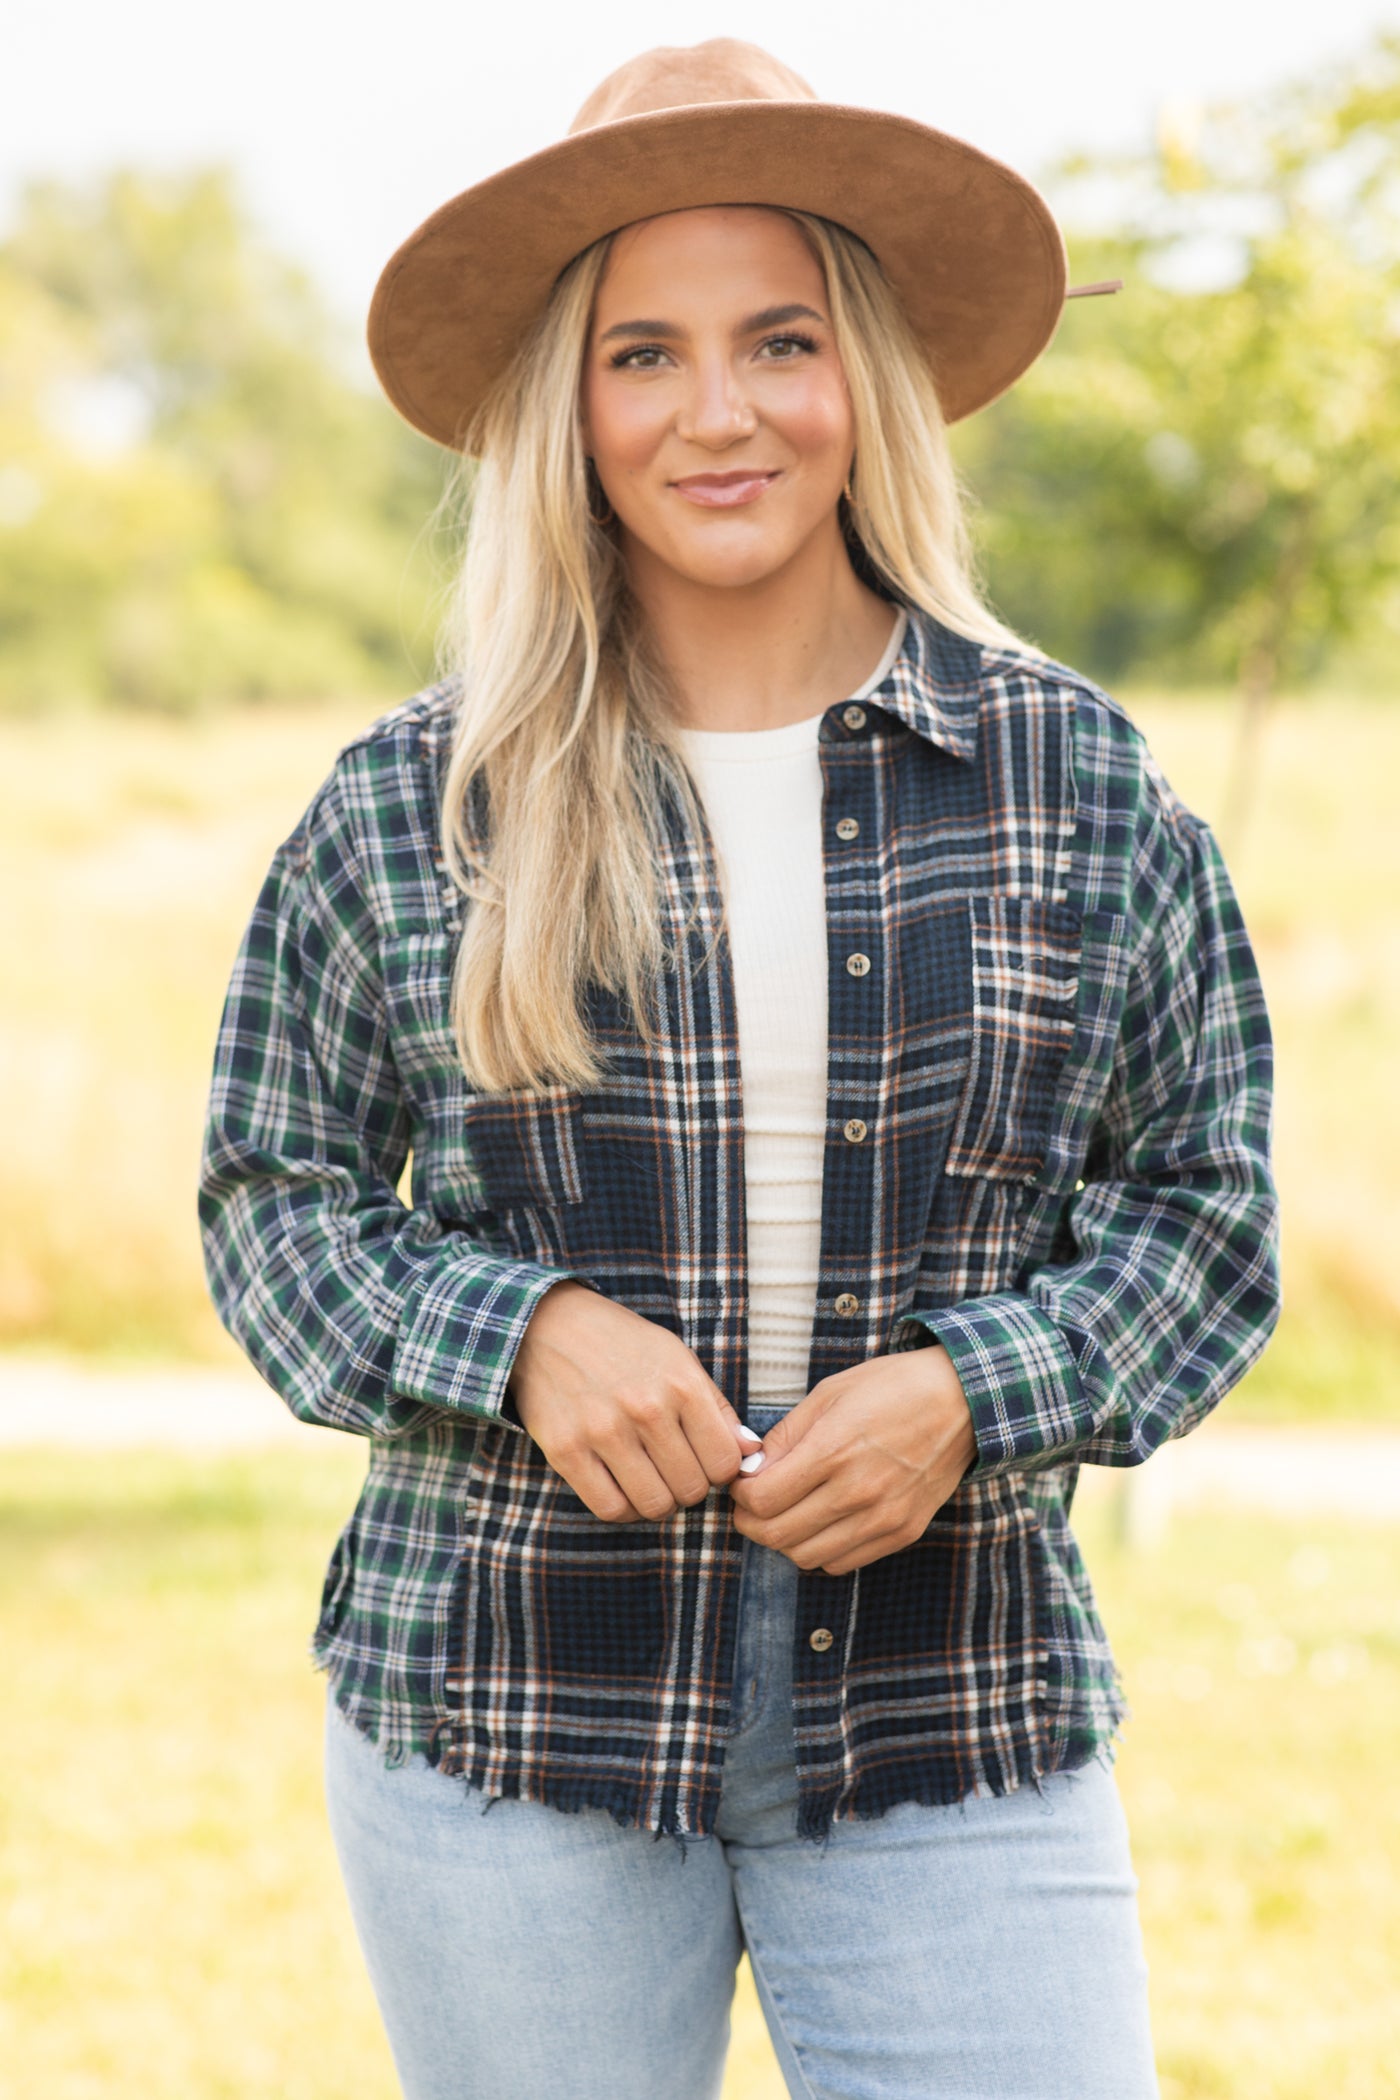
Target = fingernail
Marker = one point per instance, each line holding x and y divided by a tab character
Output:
752	1463
746	1435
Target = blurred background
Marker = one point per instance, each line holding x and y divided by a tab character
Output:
221	555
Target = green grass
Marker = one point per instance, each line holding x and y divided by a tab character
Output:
1262	1661
139	846
175	1928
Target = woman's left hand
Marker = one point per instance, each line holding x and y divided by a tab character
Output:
862	1465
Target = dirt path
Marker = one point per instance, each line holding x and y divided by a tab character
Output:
53	1401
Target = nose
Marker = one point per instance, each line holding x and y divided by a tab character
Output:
717	411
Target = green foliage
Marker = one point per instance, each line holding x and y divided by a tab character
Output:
1203	482
198	502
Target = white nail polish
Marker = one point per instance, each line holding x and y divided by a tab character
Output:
746	1435
752	1463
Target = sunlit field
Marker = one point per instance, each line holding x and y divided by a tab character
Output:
137	848
175	1928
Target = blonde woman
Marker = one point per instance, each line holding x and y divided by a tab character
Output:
836	1083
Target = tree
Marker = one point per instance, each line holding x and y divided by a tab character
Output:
200	503
1207	481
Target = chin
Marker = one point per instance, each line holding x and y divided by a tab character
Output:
729	576
729	568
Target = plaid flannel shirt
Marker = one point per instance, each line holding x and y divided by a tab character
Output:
1044	1007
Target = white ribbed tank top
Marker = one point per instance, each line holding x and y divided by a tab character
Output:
762	793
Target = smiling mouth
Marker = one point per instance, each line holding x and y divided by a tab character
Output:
725	491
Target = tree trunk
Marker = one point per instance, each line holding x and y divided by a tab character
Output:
1259	678
1256	691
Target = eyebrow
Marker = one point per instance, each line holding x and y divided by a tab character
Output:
667	332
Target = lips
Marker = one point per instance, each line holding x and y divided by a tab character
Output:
725	491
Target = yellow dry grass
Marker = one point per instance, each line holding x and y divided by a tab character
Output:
131	851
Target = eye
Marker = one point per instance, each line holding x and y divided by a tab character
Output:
642	357
784	349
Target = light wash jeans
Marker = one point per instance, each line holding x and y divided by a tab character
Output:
985	1951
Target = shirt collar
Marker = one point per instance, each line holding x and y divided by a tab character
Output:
934	685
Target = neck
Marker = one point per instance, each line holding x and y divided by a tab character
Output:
756	656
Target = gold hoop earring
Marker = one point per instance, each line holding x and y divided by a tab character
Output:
849	491
599	508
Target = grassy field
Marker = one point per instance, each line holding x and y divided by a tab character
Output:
138	848
175	1926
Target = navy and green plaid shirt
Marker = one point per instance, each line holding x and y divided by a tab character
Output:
1061	1053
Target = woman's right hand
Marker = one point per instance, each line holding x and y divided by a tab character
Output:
622	1408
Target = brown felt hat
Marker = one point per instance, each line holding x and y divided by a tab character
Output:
970	246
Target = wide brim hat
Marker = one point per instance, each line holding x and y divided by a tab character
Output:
971	248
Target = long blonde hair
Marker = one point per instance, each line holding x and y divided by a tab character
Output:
564	716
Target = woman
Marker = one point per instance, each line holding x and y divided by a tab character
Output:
836	1081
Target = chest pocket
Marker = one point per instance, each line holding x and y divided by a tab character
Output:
1025	983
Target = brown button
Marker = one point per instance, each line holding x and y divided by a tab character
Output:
855	1131
853	716
847	1306
847	828
858	965
820	1638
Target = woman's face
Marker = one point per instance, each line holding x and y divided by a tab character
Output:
714	404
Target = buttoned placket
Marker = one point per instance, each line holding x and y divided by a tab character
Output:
856	946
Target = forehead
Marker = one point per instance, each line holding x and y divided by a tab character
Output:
697	251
